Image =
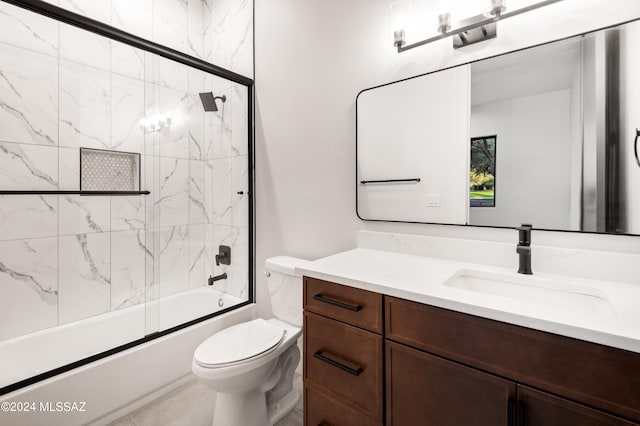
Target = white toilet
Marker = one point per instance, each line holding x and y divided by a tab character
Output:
251	365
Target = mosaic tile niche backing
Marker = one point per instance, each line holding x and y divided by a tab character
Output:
109	170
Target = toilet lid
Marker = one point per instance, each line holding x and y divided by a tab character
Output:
238	343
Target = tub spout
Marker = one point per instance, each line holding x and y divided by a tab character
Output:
211	279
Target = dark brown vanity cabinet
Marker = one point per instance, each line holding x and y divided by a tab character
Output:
447	368
423	389
343	352
371	359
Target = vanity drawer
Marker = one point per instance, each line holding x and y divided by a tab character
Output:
596	375
357	307
346	361
322	409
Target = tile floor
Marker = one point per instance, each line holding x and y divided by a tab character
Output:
189	405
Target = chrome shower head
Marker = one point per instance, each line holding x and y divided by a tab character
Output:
209	101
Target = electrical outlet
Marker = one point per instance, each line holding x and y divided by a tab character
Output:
433	200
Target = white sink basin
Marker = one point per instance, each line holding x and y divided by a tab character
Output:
530	289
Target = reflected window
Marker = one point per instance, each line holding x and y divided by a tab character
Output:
482	174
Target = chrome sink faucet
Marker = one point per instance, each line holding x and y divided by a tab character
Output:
524	249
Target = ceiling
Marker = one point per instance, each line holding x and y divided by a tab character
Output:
528	72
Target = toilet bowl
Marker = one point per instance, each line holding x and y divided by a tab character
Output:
251	365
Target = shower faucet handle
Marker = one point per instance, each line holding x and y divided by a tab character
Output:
223	256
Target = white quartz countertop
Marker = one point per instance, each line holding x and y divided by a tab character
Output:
425	280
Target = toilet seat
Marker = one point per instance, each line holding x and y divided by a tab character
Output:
239	344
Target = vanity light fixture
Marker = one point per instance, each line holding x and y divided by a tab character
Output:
468	31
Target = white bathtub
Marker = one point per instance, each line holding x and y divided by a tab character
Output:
27	356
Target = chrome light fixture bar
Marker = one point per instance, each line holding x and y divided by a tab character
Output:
471	30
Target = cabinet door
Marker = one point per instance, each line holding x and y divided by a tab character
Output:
426	390
541	409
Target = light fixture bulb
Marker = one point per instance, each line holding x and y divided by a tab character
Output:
398	38
444	22
443	7
399	13
498	7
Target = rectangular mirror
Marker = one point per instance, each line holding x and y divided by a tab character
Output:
544	135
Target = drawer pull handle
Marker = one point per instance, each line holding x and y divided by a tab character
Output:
321	298
321	357
511	406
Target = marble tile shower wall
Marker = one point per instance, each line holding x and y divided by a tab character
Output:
217	31
65	258
228	34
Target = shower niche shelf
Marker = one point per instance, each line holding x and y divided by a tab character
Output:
57	192
106	173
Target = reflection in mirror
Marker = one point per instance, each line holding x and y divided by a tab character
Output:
566	119
482	172
415	129
532	101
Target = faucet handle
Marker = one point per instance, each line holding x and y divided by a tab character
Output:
524	233
224	255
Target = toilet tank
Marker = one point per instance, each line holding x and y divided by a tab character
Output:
285	288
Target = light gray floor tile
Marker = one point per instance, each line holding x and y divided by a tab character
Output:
124	421
294	418
189	405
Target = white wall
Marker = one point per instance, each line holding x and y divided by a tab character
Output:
531	185
312	58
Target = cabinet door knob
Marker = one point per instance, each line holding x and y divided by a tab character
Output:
343	305
355	371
